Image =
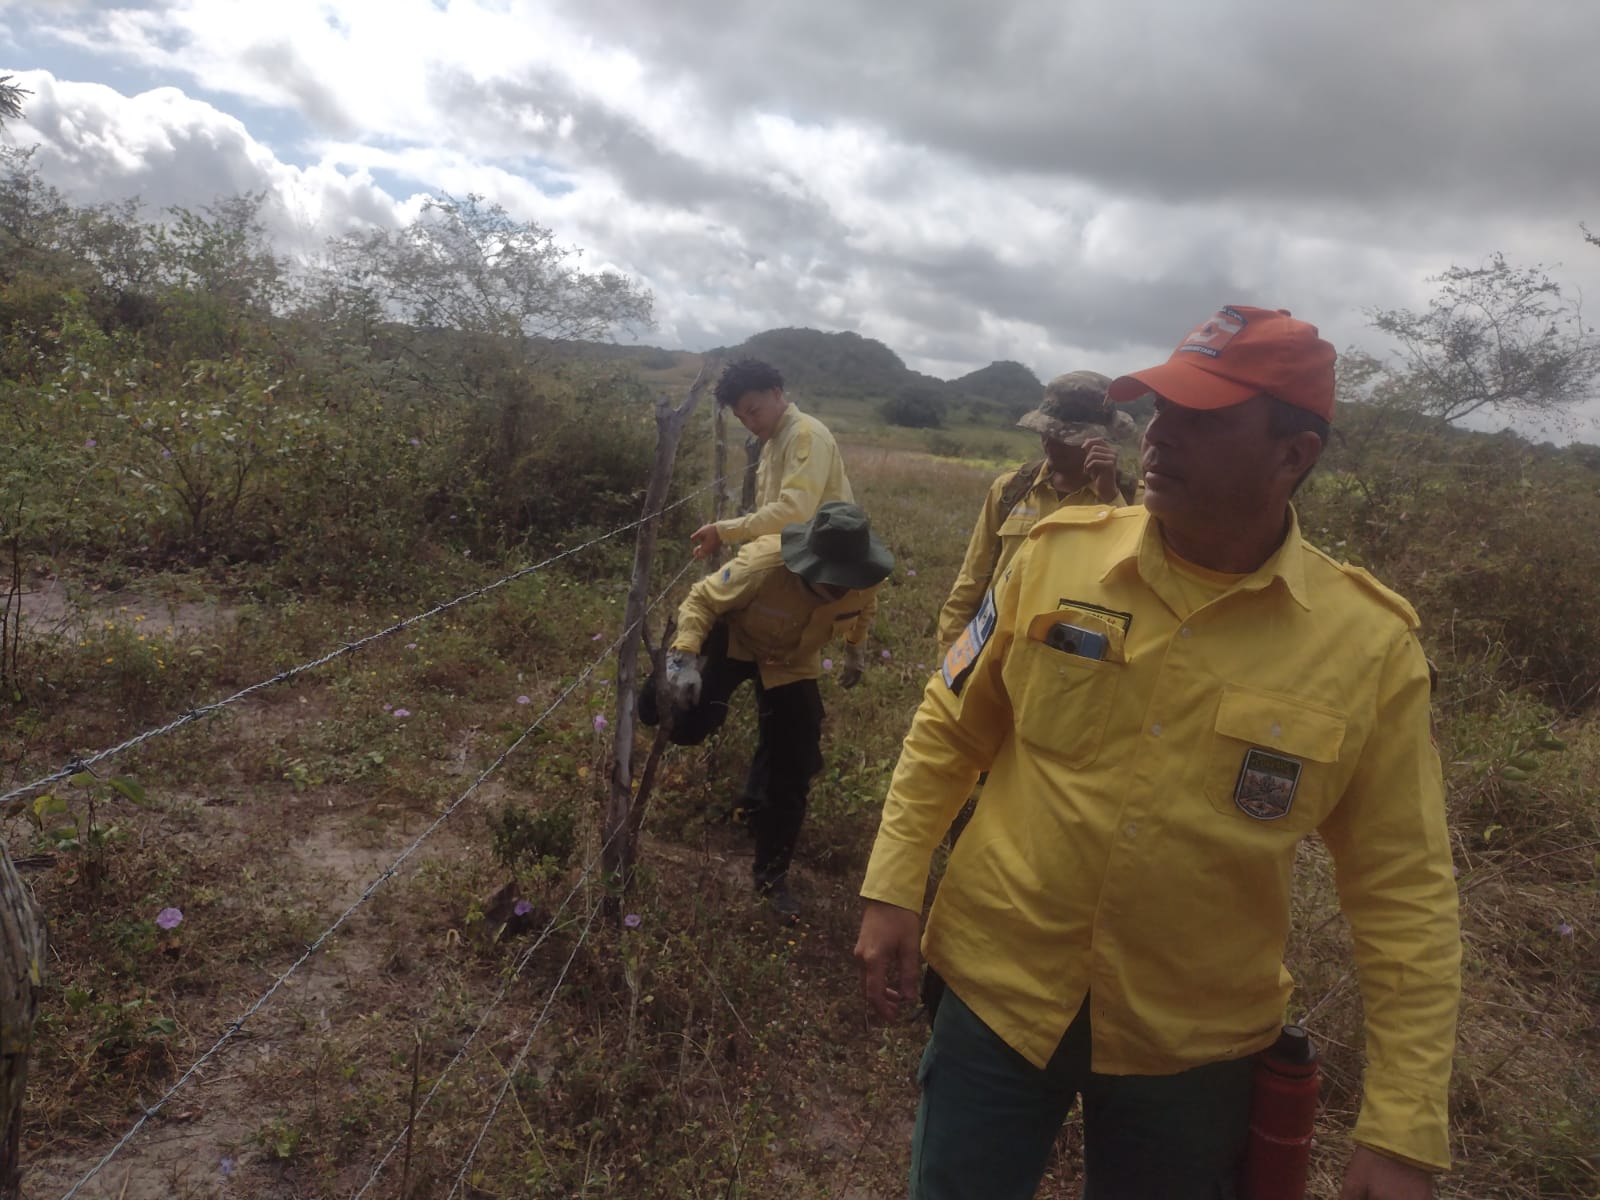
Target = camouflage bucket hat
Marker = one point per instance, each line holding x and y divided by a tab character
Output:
1075	409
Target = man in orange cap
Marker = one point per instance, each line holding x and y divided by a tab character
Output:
1167	699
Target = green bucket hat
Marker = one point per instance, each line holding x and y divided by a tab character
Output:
1075	409
837	547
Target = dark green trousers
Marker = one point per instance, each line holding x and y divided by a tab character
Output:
989	1118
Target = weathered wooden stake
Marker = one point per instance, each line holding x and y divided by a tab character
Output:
719	443
22	943
411	1118
619	849
752	461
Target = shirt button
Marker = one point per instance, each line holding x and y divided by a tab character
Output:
1130	830
1277	730
1185	632
1155	730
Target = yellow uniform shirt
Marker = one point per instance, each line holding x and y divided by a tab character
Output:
1009	530
774	618
800	470
1137	834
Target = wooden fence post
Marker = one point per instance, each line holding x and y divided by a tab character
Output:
719	442
618	849
22	942
752	461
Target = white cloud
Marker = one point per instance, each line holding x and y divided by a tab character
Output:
1066	185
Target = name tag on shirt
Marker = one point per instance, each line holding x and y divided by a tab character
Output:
958	662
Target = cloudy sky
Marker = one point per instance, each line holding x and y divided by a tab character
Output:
1063	182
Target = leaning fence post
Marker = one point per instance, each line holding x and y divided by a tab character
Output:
22	942
618	850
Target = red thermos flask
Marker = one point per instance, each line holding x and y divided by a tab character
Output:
1283	1105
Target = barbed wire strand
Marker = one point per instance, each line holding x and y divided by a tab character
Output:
235	1026
522	1054
518	967
82	763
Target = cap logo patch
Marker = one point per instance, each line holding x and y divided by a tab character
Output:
1266	785
1210	337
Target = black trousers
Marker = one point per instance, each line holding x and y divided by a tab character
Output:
788	747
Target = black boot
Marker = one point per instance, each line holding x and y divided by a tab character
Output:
775	894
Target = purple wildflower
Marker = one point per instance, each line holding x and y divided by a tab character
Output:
411	645
89	445
169	918
402	712
827	664
633	920
226	1166
886	656
911	572
522	908
1564	929
595	638
599	722
523	700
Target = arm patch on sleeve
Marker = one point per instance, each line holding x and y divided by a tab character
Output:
964	652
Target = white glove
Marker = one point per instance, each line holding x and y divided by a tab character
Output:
855	662
683	677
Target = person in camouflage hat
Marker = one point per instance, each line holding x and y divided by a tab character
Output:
1077	428
1075	412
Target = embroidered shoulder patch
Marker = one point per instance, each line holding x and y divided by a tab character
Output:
958	661
1266	785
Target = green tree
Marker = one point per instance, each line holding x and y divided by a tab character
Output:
916	406
470	267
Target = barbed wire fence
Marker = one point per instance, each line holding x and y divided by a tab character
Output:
80	763
13	799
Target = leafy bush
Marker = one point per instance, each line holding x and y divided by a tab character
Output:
1491	538
546	838
916	407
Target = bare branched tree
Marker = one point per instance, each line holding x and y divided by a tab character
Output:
1496	338
11	96
470	267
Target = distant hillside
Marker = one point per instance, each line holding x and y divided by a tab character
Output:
1008	387
845	365
833	364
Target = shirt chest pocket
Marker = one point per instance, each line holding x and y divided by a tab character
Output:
1274	759
1066	702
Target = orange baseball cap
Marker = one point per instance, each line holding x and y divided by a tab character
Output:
1239	353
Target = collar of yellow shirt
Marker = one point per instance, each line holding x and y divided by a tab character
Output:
1140	547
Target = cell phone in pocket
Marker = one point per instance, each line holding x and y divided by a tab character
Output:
1075	639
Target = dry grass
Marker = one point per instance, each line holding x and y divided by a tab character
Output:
707	1052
